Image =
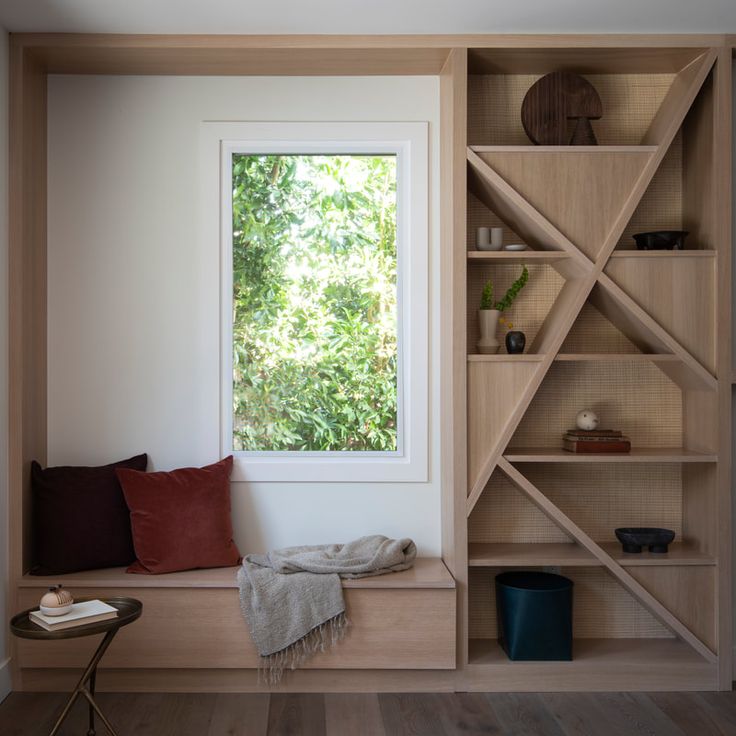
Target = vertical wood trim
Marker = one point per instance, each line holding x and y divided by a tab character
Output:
722	203
453	285
27	299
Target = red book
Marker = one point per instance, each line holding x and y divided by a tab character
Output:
591	446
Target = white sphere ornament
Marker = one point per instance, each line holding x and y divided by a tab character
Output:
586	419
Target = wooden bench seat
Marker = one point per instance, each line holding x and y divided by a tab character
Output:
193	619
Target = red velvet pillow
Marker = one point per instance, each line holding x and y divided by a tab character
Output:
180	519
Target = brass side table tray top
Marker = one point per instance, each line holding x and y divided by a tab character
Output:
129	609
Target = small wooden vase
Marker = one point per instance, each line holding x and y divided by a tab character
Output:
56	602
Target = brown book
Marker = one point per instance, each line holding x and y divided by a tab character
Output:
591	446
595	432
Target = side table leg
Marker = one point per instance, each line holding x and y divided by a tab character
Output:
81	688
92	679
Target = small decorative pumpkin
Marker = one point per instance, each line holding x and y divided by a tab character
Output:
587	420
56	602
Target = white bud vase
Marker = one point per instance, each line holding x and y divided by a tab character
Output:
488	322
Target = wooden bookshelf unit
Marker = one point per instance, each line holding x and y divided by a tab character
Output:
642	337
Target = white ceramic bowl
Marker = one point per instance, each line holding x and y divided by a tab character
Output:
57	610
515	246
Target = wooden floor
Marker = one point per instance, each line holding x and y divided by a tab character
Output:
580	714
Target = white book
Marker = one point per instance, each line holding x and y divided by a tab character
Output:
86	612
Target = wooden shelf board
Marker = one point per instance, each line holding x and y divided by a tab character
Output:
569	554
531	554
640	652
637	455
564	149
617	357
428	572
679	554
663	254
506	358
518	256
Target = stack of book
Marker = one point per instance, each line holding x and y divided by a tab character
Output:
595	441
86	612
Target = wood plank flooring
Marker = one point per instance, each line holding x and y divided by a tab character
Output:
415	714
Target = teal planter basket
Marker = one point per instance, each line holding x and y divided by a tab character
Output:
534	612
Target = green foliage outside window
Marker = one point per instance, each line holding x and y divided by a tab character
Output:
314	303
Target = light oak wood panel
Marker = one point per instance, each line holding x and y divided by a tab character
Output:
598	665
723	238
648	335
688	592
234	680
637	455
529	555
678	293
557	182
390	629
583	60
427	572
663	255
700	508
493	392
527	256
626	579
453	346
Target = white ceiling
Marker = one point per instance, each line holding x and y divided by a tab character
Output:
370	16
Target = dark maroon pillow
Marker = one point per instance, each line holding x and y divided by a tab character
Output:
181	519
81	520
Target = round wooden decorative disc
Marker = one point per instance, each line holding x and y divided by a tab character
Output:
555	99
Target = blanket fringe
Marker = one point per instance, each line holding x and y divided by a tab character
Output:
271	668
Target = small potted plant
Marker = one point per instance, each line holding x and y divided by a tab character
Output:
490	311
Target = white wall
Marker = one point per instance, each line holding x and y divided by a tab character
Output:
133	294
4	669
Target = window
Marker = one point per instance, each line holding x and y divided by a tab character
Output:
323	231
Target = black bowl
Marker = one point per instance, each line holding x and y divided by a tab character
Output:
661	240
634	538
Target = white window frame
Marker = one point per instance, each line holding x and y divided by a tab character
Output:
409	142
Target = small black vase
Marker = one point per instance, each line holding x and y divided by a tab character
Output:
515	342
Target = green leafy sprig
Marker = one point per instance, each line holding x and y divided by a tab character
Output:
486	300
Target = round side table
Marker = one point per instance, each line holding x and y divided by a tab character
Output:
129	609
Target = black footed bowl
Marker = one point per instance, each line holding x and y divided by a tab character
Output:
661	240
634	538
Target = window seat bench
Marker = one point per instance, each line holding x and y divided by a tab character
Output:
192	620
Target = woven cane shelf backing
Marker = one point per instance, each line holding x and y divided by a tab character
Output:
630	102
601	607
593	333
661	206
529	310
634	397
597	497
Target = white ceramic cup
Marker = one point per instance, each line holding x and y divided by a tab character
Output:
483	238
496	238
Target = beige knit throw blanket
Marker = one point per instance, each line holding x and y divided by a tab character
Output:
292	598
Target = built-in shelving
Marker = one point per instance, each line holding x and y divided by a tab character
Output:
632	334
